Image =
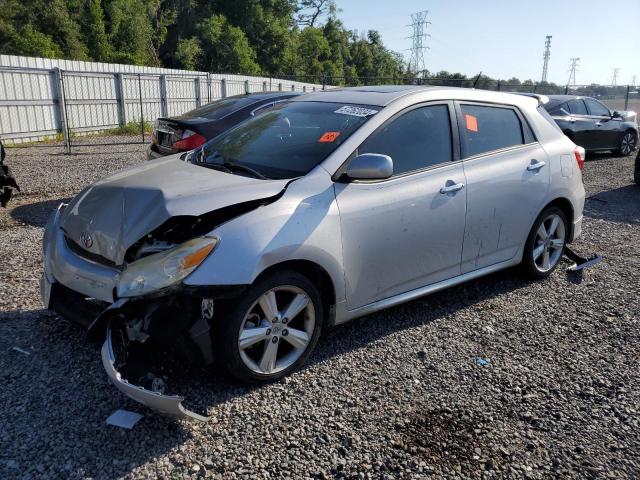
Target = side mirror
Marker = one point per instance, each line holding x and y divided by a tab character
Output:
370	166
616	115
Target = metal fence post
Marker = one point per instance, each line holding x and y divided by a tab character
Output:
141	108
223	88
566	90
280	86
324	82
164	107
122	107
208	88
626	98
499	85
264	86
198	95
62	107
246	86
293	87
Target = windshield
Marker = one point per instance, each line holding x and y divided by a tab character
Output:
221	108
286	142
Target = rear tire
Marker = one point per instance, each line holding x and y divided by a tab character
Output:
545	243
627	143
257	341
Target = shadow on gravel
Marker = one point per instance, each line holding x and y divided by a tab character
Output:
62	390
36	214
617	205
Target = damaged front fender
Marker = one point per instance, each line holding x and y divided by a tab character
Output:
166	404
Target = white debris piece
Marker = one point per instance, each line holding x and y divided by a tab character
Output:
124	419
21	350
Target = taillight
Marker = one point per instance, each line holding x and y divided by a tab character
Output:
580	154
189	141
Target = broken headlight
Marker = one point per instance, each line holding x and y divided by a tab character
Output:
164	269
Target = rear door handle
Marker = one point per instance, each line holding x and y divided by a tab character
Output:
535	165
454	187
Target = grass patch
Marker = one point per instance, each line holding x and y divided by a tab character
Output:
131	128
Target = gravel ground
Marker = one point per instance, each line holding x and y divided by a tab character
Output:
396	394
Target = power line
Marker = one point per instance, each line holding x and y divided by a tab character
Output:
546	55
573	67
419	24
614	76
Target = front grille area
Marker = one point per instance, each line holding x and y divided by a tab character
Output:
92	257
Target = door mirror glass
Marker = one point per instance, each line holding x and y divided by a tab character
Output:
370	166
616	115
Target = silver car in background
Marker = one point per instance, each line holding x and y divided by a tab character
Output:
329	207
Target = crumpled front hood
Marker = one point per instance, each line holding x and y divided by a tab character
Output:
112	214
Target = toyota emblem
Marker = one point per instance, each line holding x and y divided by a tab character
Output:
86	239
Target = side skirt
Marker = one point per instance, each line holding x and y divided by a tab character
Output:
343	315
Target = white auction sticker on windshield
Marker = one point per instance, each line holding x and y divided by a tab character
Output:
356	111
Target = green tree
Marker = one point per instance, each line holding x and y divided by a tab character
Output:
226	48
189	53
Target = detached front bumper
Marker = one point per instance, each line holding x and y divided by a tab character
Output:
167	404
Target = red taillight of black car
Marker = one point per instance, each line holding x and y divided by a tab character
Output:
580	154
189	141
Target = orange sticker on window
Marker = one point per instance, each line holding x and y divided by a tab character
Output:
329	137
472	123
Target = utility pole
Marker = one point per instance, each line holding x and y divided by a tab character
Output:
419	24
614	76
573	67
546	55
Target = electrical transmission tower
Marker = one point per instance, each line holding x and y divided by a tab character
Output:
633	80
419	24
573	67
546	56
614	76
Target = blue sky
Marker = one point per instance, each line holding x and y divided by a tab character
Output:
506	38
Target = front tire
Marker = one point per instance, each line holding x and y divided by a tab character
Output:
272	329
545	243
627	143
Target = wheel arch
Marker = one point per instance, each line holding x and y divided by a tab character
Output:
565	205
315	273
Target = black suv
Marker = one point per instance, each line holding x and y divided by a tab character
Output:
194	128
590	124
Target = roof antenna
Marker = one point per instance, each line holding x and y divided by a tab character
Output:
475	82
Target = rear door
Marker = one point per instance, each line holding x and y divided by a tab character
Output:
606	131
582	124
405	232
507	181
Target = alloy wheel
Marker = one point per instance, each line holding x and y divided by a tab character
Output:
628	143
276	330
549	243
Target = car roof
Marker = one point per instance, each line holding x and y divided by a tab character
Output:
265	95
558	99
383	95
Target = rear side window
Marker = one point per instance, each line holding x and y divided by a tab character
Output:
576	107
490	128
418	139
548	118
220	108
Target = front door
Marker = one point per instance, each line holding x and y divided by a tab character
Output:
507	176
606	130
405	232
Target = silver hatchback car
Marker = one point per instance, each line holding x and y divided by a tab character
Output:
329	207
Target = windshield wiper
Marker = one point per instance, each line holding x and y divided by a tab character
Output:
238	166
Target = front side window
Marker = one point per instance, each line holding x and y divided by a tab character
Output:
490	128
418	139
287	141
596	108
576	107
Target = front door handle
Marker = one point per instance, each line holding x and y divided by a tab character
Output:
535	165
451	188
